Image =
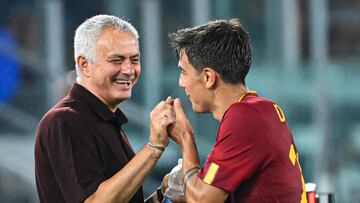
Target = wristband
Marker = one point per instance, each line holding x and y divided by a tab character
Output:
190	170
161	148
188	174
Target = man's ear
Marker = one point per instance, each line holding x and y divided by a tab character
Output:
83	64
209	77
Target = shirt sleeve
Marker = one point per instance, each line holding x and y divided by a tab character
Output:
240	149
74	162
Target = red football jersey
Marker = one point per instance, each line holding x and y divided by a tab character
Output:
254	157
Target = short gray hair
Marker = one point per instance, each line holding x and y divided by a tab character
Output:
88	32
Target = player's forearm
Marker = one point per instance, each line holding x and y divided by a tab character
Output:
190	160
123	185
200	192
193	190
190	153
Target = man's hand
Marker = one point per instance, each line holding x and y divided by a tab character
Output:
179	199
165	183
164	188
181	129
160	118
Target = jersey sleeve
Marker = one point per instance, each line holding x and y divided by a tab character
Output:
71	154
240	149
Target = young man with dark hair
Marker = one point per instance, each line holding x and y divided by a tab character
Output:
254	158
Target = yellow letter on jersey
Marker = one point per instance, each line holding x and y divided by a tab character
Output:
280	113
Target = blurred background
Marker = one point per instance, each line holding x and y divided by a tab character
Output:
306	57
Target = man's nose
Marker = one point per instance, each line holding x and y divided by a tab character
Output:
181	82
126	67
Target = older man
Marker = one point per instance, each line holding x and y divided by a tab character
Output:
81	152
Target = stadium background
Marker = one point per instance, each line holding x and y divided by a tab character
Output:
306	57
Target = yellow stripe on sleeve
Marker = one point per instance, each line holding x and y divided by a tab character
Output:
292	154
211	173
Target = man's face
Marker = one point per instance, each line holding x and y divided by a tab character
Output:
116	68
193	85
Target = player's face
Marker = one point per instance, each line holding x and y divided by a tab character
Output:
116	68
193	85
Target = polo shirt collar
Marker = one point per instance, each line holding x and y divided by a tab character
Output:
81	93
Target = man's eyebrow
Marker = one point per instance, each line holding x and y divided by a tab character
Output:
118	56
181	69
135	56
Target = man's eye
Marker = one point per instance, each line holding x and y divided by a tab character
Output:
135	61
116	61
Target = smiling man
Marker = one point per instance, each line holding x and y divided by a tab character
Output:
81	152
254	158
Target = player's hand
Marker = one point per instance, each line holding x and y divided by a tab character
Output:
179	199
160	118
181	130
164	187
165	183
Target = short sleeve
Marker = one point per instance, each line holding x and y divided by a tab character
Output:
241	149
73	158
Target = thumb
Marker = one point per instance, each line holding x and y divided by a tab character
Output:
178	108
169	100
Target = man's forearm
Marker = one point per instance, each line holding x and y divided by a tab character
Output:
124	184
195	189
190	153
190	160
200	192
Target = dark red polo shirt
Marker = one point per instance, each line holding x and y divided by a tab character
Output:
254	157
79	144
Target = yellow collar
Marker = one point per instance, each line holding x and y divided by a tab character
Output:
247	92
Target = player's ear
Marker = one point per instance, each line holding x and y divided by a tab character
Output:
209	77
83	64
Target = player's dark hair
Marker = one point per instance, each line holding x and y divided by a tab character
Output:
223	45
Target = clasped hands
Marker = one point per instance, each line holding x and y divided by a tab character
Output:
168	119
